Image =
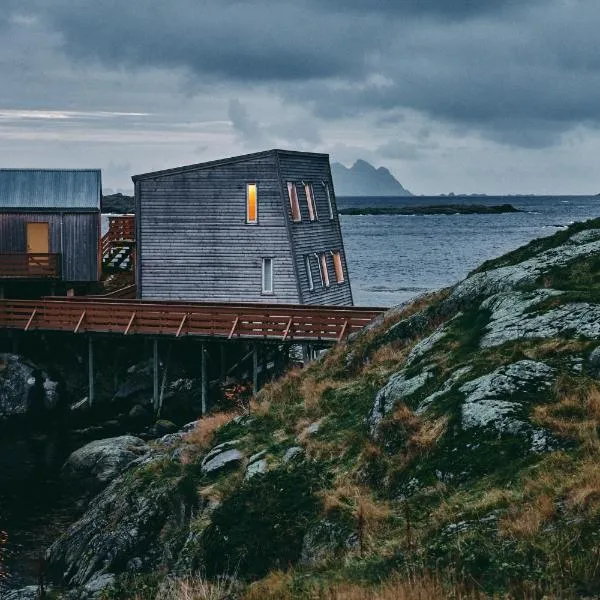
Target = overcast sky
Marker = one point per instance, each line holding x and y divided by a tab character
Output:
495	96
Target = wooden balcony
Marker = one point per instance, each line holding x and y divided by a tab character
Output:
29	266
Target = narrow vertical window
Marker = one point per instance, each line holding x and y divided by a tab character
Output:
329	200
267	275
337	265
294	204
251	204
310	200
322	258
309	277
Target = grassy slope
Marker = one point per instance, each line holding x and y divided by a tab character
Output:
489	518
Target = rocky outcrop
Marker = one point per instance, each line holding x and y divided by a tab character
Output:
95	465
25	389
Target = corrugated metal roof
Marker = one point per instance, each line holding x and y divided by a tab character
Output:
50	188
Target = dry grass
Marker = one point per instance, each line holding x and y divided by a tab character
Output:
195	588
576	415
279	586
312	390
527	520
204	432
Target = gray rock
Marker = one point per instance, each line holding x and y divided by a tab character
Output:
508	278
94	589
425	345
24	387
500	399
446	387
512	318
594	363
293	453
221	456
257	456
31	592
125	520
96	464
398	387
256	468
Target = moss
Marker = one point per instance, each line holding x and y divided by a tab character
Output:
260	526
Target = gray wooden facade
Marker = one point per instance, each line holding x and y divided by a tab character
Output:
194	242
69	201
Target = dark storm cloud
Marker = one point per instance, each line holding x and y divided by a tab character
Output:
519	72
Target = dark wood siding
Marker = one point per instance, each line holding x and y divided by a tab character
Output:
76	240
194	243
309	237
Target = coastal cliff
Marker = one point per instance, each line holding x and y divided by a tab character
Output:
452	447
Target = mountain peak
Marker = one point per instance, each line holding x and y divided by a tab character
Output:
363	179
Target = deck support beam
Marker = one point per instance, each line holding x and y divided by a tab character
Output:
155	395
91	391
204	380
255	369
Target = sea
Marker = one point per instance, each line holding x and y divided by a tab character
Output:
393	258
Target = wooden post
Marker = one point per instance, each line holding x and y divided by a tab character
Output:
223	358
163	385
90	370
204	382
255	369
1	292
155	375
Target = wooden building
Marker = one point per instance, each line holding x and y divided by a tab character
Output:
49	230
261	227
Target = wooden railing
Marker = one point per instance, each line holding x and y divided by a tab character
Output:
258	321
121	230
29	265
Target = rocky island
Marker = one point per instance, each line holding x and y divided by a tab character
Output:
450	450
438	209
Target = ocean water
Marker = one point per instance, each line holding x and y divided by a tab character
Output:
392	258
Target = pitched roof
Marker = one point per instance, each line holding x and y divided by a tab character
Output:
223	161
35	189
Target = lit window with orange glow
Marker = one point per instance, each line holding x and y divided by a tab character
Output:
294	204
337	265
251	204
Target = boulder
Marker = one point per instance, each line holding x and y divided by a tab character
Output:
126	520
399	387
25	390
256	468
501	399
31	592
96	464
293	453
225	458
164	427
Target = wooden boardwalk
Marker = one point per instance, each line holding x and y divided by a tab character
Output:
269	322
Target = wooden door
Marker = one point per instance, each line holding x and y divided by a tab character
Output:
38	247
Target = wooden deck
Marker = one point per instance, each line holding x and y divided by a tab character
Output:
283	323
21	265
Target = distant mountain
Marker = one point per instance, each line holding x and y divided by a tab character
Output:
363	179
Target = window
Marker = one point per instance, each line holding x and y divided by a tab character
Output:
322	258
337	265
329	200
251	204
311	283
294	205
310	200
267	275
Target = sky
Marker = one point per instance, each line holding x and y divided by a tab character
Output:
463	96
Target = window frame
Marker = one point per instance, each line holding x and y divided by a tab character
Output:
264	290
329	200
339	276
311	203
249	221
294	201
309	276
323	269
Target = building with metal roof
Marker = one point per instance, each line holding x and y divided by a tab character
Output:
49	229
